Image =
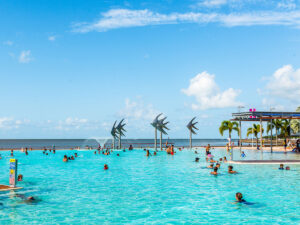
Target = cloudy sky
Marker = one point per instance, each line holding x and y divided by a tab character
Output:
70	68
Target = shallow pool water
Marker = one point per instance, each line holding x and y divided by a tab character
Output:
160	189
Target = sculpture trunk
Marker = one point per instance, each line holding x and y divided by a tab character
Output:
191	139
155	140
160	141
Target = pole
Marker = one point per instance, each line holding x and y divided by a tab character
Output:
160	141
252	136
155	140
191	139
113	142
120	141
240	134
271	136
261	140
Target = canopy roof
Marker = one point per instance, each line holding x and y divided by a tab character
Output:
264	116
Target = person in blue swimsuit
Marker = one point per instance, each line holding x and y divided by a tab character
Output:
281	167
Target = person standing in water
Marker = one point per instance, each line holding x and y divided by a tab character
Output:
207	149
148	153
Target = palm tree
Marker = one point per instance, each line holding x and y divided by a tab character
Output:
255	130
295	124
230	126
277	123
286	127
270	127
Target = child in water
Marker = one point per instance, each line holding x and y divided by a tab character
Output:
281	167
215	172
105	167
239	197
20	177
230	169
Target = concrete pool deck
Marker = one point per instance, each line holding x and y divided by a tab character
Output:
8	188
264	162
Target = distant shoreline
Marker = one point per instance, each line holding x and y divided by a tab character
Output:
275	148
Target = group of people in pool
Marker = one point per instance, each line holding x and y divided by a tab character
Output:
50	150
68	158
281	167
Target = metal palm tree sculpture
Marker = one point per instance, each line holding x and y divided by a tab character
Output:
120	131
155	125
162	125
114	134
191	126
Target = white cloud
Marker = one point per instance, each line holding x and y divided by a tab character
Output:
212	3
124	18
208	95
10	123
284	83
287	4
76	124
25	57
52	38
138	110
9	43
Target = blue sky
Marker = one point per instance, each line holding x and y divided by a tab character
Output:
69	69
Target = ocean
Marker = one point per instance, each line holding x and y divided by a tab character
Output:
84	143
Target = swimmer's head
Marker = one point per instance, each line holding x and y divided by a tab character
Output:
30	198
215	169
230	168
239	196
287	168
281	166
197	159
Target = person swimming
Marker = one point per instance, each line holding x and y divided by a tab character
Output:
211	166
230	169
20	177
218	165
105	167
239	197
243	154
287	168
65	159
215	172
154	153
196	159
281	167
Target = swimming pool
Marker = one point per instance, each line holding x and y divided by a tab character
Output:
161	189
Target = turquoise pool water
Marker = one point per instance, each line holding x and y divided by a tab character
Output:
161	189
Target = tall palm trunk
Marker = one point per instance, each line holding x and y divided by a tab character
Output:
276	137
256	140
